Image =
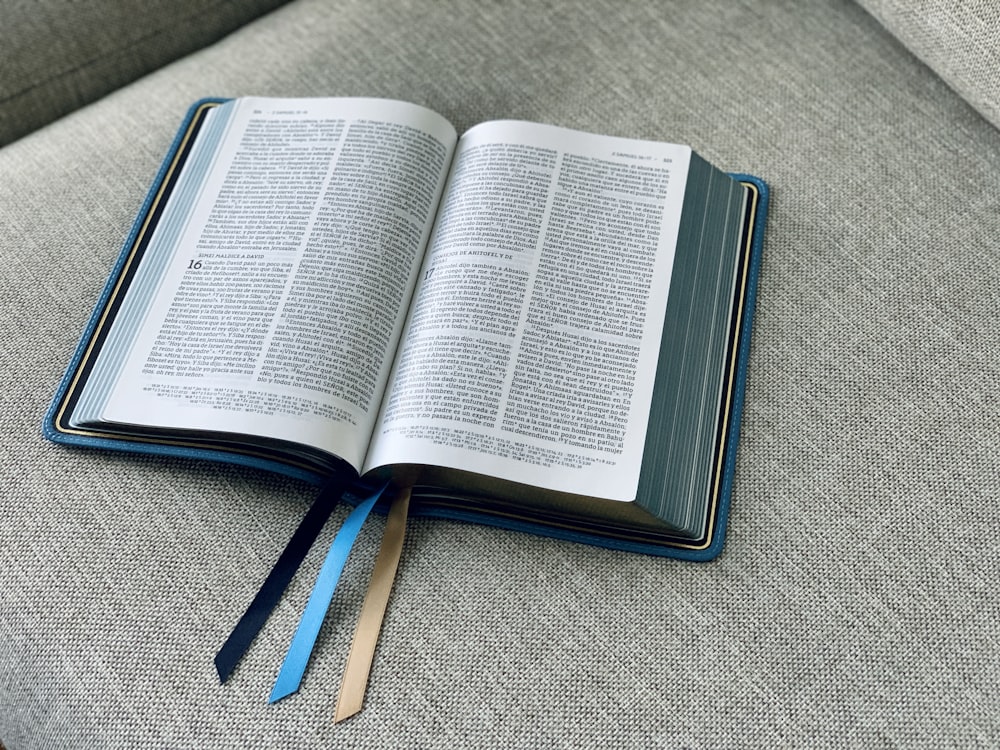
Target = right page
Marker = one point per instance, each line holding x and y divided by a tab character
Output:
531	348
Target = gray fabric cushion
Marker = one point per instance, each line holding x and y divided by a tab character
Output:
856	602
958	40
59	55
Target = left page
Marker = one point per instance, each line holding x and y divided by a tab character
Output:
271	298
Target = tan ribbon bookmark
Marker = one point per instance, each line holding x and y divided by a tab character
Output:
359	660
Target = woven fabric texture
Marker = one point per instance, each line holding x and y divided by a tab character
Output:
958	40
856	602
59	55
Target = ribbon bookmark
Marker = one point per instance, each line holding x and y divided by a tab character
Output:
300	650
278	579
359	660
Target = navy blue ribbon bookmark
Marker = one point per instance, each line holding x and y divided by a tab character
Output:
278	579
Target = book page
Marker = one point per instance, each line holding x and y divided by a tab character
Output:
532	342
272	296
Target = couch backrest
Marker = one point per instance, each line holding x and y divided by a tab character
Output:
56	56
957	40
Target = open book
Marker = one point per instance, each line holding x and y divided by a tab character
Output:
535	327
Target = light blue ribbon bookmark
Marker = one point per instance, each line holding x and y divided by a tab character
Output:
301	647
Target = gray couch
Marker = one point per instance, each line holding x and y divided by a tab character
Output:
856	603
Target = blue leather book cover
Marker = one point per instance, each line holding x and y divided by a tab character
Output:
57	426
